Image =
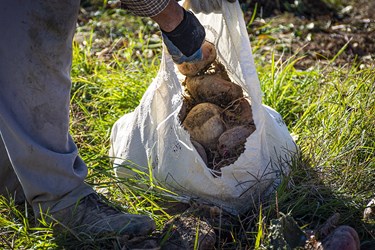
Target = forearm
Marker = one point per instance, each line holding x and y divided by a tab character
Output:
170	17
167	13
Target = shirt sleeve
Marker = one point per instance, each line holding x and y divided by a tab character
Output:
145	8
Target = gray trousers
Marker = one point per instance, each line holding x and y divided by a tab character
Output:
37	154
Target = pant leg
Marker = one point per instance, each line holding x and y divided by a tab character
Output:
35	62
10	186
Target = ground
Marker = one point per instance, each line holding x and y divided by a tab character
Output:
315	29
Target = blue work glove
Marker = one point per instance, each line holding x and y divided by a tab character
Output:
185	41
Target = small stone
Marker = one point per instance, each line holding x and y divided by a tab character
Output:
369	212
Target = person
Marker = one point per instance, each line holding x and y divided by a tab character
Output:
39	161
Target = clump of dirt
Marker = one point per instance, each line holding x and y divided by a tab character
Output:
185	232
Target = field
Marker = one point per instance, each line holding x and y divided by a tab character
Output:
319	77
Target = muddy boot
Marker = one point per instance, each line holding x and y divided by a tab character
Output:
93	217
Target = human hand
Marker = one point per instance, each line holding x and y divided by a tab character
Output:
204	6
185	41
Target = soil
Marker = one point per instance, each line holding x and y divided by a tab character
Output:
315	30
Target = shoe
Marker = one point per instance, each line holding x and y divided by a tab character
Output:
92	216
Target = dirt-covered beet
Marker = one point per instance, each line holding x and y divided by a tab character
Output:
204	124
192	69
215	107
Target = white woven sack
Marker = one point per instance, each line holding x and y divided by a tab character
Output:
152	136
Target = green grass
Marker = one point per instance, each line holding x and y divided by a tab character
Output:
329	109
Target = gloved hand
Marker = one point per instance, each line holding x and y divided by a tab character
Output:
204	6
185	41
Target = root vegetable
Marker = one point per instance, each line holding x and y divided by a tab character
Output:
183	112
192	69
215	111
232	141
238	113
201	151
246	115
187	105
212	88
218	69
204	124
343	238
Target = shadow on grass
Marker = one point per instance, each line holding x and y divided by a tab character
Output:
302	200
